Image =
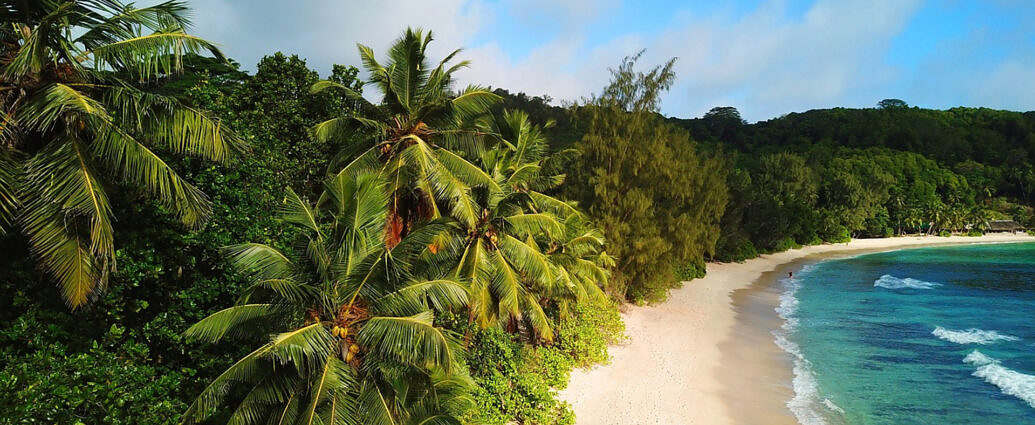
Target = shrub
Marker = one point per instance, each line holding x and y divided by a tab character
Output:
838	234
786	244
517	382
736	250
691	271
55	384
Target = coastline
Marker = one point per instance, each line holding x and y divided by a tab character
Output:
706	355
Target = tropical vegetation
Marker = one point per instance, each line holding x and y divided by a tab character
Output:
350	320
187	242
78	116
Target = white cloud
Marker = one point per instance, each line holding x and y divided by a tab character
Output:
326	32
767	62
1009	83
764	63
552	13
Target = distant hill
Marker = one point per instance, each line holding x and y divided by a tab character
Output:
988	136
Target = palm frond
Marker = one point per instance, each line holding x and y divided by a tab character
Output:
334	376
287	290
537	317
524	225
151	55
249	368
189	131
303	347
267	397
259	261
232	321
68	219
137	164
474	101
465	171
9	188
375	406
32	55
415	297
298	212
56	101
125	19
340	128
527	259
413	340
506	285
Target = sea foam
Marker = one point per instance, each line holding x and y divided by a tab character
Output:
807	404
891	282
1010	382
971	336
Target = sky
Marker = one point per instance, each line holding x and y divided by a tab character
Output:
763	57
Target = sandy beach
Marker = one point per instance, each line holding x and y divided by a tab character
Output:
705	356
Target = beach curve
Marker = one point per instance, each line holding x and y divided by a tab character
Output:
683	362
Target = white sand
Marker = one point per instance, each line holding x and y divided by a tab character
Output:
669	370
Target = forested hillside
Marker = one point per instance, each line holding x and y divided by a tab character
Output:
829	175
826	175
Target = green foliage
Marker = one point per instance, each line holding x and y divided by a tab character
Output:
656	195
347	326
691	271
80	116
562	134
832	195
518	382
735	249
55	384
585	337
278	112
167	278
892	103
785	244
838	234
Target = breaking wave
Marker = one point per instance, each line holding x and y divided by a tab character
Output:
1010	382
971	336
891	282
808	405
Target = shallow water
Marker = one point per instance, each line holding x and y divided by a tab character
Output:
922	336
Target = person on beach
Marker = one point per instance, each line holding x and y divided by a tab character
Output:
790	274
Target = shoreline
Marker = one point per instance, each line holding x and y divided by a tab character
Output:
706	355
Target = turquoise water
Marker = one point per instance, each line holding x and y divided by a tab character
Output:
922	336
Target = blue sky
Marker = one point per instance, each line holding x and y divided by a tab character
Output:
765	58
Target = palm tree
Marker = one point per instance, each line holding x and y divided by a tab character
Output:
978	218
349	330
577	255
497	254
411	134
582	266
497	243
77	118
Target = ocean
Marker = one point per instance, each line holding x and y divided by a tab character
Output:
942	335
